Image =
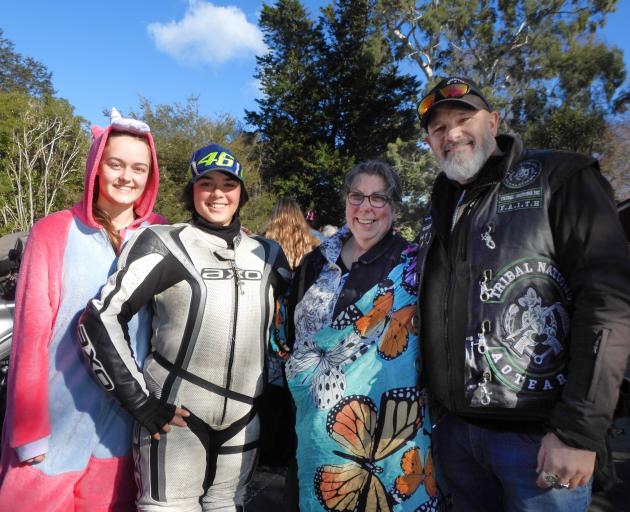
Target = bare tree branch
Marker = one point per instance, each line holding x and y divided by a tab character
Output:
46	155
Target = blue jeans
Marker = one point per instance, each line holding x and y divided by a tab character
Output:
486	471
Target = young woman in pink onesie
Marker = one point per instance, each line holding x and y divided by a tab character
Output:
66	443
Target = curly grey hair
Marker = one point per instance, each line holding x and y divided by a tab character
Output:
393	183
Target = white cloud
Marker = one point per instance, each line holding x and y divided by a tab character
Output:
208	34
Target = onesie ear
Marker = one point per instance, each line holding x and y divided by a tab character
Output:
124	124
96	131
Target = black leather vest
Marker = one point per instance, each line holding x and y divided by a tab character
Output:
519	303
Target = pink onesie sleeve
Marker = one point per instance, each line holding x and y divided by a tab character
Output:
37	302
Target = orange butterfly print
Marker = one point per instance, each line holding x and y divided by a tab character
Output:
415	475
380	310
396	338
367	437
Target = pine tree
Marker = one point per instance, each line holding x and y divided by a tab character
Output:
333	96
290	117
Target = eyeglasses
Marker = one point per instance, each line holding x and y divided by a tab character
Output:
376	200
448	91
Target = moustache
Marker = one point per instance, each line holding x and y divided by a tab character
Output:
450	145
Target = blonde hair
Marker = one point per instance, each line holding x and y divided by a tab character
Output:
288	227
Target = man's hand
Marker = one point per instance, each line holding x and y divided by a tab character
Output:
572	466
178	420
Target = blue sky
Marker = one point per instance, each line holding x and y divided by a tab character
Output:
105	54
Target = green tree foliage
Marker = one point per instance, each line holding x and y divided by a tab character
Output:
22	74
569	129
368	101
44	120
290	117
21	78
43	169
615	160
41	140
415	164
12	105
333	95
178	130
540	61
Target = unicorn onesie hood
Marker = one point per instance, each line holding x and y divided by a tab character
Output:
55	407
144	205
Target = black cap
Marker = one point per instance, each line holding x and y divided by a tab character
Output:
472	99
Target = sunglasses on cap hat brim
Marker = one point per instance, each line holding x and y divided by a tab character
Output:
448	91
452	91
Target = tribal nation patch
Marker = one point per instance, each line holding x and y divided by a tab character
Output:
523	174
527	352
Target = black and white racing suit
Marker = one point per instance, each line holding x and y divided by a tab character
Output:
212	319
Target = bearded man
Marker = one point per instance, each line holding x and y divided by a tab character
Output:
524	308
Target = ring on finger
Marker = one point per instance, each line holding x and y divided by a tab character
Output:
551	479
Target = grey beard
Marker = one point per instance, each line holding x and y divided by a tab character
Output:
463	169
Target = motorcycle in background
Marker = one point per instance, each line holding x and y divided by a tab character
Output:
11	247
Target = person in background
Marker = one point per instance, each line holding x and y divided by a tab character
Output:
212	289
363	433
288	227
311	220
329	230
525	311
67	444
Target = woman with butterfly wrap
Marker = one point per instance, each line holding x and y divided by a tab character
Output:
364	441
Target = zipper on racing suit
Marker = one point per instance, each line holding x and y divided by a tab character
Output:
238	289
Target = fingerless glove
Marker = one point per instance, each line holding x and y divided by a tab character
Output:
154	414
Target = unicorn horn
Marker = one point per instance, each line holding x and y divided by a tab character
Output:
114	115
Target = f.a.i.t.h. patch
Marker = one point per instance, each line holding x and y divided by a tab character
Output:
519	177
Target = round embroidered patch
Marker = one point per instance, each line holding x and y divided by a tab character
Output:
523	174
